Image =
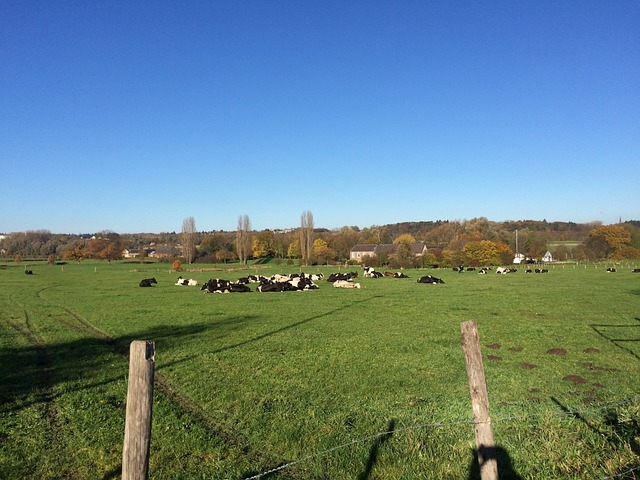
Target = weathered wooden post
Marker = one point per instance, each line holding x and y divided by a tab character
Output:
137	430
479	401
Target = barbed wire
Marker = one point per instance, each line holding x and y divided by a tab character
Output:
510	418
618	475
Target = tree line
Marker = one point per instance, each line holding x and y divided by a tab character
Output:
478	241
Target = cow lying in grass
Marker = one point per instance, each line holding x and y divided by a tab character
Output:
147	282
296	283
505	270
224	286
430	279
184	281
346	284
342	276
395	275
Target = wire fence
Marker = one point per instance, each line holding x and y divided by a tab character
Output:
579	413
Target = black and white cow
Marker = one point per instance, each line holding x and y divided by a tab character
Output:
611	270
370	272
148	282
314	277
342	276
256	278
28	272
395	275
284	283
187	281
505	270
635	270
224	286
430	279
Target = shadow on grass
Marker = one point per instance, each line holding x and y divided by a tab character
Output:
618	431
619	342
42	371
501	456
373	452
290	326
30	374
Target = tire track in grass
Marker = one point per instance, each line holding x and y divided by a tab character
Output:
187	406
43	392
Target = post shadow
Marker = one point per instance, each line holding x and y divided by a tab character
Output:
373	452
506	471
622	432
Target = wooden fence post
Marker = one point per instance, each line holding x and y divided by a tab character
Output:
479	401
137	430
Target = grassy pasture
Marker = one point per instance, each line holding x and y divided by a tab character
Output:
248	382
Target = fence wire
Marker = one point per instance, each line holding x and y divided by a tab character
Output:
511	418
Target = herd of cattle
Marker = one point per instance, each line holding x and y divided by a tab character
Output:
303	282
286	283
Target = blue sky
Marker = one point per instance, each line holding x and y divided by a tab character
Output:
131	116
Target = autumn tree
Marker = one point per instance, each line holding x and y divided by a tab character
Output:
306	237
113	250
243	238
213	243
616	236
224	255
188	239
280	244
293	251
596	247
322	253
105	245
486	252
261	244
404	239
626	253
75	252
403	256
343	240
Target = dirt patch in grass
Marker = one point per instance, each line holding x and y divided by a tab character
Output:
557	351
494	346
575	379
591	350
534	390
493	357
599	385
528	366
515	349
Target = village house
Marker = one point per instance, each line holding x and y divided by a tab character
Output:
360	251
130	253
165	251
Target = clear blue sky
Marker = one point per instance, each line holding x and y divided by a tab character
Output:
131	116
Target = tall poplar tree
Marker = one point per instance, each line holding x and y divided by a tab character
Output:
189	239
306	237
243	238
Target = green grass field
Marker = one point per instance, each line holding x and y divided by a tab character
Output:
354	384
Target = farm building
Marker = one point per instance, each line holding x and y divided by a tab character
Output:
547	257
164	252
358	252
519	258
